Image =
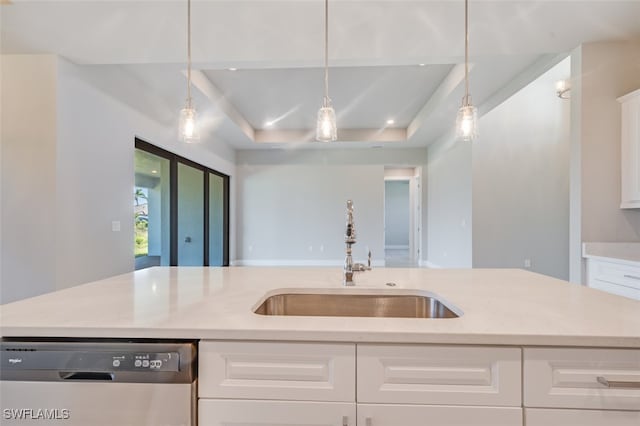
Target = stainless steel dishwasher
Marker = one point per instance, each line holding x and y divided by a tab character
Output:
97	383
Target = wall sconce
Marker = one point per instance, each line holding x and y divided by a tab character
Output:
563	88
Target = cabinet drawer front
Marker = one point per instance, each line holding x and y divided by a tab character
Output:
545	417
617	289
441	415
260	370
213	412
569	378
439	375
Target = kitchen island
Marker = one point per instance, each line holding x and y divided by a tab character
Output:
498	306
525	349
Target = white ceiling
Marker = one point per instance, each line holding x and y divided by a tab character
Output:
375	49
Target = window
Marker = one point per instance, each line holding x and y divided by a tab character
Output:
181	211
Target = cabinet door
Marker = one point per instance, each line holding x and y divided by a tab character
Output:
543	417
630	151
227	412
441	415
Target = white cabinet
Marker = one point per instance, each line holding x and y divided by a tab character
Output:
601	379
455	375
304	384
314	384
273	370
621	278
222	412
546	417
630	150
441	415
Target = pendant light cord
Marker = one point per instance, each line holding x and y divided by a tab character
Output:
189	53
326	53
466	52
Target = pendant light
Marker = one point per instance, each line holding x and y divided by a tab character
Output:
467	121
188	129
326	128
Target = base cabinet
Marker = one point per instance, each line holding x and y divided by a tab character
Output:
546	417
616	277
348	384
441	415
221	412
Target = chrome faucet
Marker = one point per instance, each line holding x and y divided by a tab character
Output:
350	239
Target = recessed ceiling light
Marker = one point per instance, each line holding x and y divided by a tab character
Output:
391	121
154	171
421	65
232	69
268	123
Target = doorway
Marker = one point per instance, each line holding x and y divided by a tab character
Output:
402	217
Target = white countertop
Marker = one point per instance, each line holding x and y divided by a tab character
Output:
500	306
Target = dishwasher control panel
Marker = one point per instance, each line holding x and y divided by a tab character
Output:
97	361
90	360
167	361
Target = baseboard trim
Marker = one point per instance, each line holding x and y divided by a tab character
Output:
429	264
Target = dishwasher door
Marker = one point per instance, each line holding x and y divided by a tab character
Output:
101	384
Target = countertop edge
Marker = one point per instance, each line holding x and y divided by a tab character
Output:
327	336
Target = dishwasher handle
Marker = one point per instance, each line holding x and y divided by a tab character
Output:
86	375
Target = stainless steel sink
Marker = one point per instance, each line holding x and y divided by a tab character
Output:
355	305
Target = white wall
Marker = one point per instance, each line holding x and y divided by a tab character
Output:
607	71
505	197
292	204
448	205
521	180
88	173
28	144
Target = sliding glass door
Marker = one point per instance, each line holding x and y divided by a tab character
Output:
151	210
190	216
181	211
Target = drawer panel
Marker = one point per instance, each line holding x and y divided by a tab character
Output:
441	415
617	289
615	273
568	378
213	412
439	375
265	370
547	417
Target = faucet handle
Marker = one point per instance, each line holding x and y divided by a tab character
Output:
369	260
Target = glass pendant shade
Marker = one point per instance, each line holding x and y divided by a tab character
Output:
467	123
188	128
326	129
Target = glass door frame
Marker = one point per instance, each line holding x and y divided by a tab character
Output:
174	159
